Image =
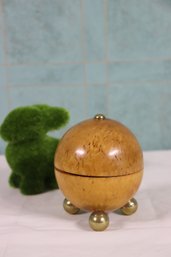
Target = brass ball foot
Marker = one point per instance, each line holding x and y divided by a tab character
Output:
130	207
69	207
99	220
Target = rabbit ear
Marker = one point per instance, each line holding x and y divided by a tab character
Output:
21	123
53	117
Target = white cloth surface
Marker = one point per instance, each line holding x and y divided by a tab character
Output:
38	226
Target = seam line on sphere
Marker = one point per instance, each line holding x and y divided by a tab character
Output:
88	176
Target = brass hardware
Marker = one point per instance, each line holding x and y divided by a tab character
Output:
130	207
99	117
99	220
69	207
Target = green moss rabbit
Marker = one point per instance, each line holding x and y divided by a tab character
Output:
30	151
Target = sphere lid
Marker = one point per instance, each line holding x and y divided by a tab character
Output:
99	147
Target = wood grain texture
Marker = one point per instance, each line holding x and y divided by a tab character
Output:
99	148
98	193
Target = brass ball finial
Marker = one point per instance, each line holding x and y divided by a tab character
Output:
99	117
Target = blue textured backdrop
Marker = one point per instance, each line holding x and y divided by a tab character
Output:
90	56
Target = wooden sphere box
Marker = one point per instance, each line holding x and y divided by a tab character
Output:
99	167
